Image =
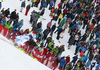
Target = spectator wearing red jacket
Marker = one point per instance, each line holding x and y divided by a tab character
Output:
86	14
64	12
26	31
67	59
92	26
60	5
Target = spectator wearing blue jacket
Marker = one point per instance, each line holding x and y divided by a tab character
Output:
88	64
45	4
63	62
97	39
65	18
98	33
84	58
78	25
77	47
87	27
0	5
16	26
83	49
98	67
3	21
58	28
87	44
51	4
20	24
74	5
73	27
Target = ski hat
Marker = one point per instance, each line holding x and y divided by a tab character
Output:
15	10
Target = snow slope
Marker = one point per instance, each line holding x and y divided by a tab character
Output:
13	59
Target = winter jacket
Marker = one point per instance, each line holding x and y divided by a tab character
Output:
55	51
7	12
77	24
44	4
32	42
15	27
61	49
3	22
62	22
87	45
82	15
58	12
92	26
49	39
71	40
49	24
39	25
67	60
98	33
97	58
13	15
78	44
7	25
46	31
51	3
74	59
91	56
66	25
88	64
23	4
60	30
51	43
75	4
53	27
73	27
38	16
58	27
84	37
28	7
62	62
83	49
0	6
60	16
64	18
65	11
59	4
20	24
85	58
97	67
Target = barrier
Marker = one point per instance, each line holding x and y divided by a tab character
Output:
37	54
